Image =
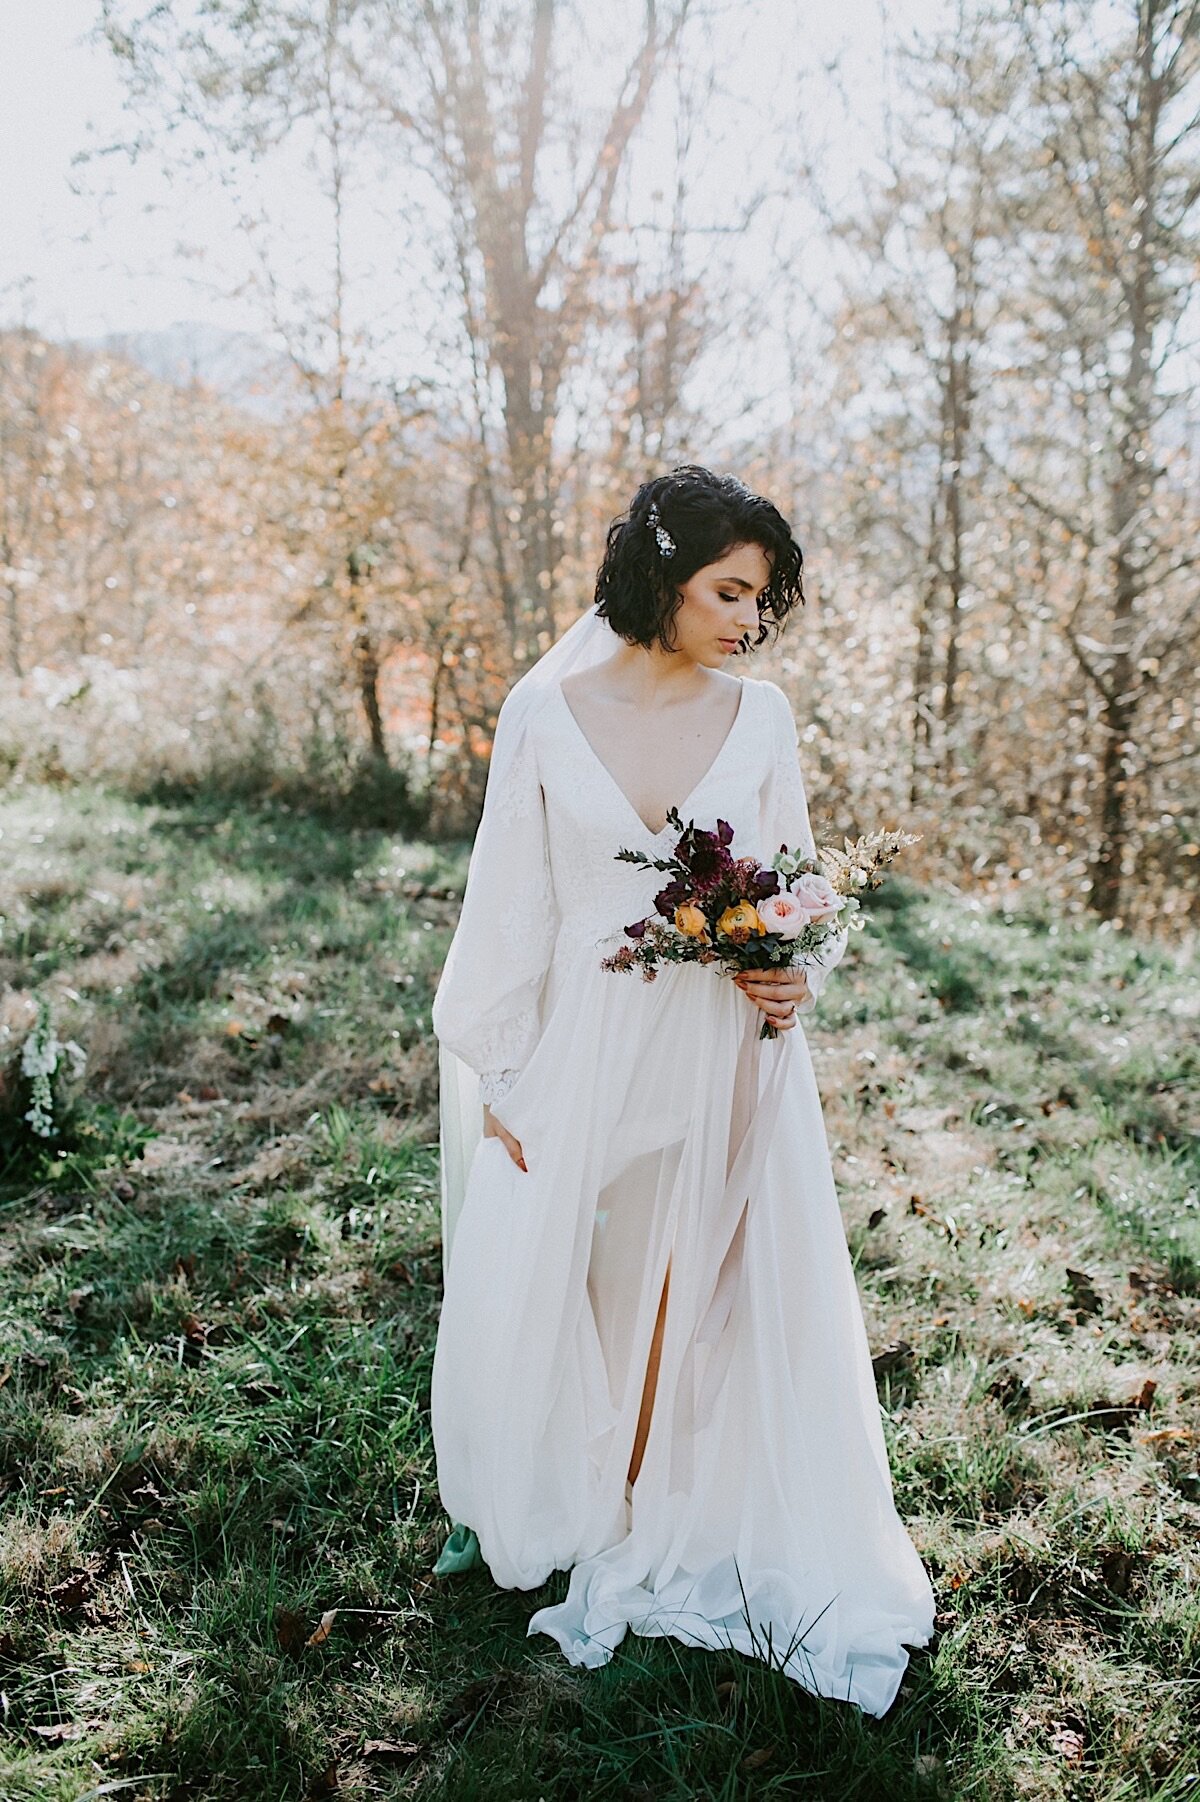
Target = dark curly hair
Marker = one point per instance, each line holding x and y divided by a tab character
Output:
703	516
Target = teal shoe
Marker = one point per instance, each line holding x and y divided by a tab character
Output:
460	1552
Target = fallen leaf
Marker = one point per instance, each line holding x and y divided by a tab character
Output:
1117	1567
390	1748
1085	1297
77	1588
1066	1742
261	1389
290	1629
754	1761
323	1628
477	1696
59	1732
892	1357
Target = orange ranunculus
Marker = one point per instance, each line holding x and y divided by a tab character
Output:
690	920
737	923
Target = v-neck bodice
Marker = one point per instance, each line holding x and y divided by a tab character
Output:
681	806
589	818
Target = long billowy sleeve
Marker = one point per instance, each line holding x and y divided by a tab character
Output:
786	822
486	1009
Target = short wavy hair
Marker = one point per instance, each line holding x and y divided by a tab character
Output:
704	516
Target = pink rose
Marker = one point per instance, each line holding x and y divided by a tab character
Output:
783	915
817	896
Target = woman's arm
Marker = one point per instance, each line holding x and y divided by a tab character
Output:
486	1009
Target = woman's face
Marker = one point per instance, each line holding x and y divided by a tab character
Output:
719	605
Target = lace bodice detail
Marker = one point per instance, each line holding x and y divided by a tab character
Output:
545	887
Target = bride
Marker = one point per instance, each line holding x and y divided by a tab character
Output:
651	1366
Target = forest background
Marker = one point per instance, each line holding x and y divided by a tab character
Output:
326	357
930	285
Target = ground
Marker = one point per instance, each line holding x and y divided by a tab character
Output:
218	1514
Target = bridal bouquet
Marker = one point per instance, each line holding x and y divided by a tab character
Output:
717	908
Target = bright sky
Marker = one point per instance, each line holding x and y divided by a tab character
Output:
111	247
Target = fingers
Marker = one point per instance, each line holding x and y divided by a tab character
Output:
785	986
513	1148
492	1129
781	1013
774	976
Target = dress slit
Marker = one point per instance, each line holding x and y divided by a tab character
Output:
654	1360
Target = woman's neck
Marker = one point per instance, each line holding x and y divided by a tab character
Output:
649	675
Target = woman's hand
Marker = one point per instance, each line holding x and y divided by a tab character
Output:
492	1129
776	992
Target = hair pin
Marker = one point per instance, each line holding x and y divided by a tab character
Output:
666	543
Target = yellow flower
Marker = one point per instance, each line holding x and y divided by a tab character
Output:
691	921
737	923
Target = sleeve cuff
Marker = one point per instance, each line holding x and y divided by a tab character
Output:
495	1084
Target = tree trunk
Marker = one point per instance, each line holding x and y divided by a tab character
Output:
366	662
1130	493
958	402
923	665
12	614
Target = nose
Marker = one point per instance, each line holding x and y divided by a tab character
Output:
748	618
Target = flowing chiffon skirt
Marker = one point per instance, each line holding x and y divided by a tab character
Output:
656	1124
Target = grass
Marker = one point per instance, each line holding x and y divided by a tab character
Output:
215	1355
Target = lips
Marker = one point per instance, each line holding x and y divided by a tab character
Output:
729	644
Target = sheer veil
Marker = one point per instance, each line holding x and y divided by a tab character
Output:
589	640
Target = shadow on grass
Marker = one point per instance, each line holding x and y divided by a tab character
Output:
343	791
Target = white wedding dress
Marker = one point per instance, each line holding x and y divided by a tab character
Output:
655	1123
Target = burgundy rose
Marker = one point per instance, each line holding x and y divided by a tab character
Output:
706	857
669	898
